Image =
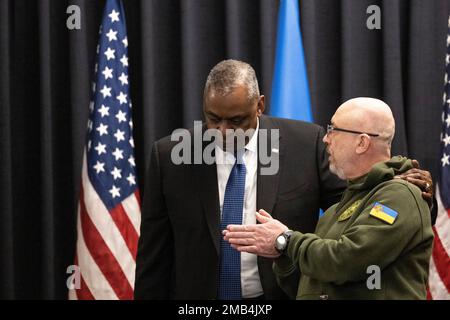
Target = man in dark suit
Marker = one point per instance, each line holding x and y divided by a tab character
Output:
181	254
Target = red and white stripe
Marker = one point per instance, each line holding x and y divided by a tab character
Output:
439	278
106	245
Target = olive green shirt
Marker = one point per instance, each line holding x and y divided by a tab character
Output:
352	236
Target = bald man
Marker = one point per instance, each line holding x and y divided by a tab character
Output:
376	242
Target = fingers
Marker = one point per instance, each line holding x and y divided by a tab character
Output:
261	218
254	250
249	249
419	179
427	196
415	175
427	190
241	241
240	228
229	234
415	163
423	173
264	213
420	183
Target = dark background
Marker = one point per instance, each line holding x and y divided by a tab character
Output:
45	73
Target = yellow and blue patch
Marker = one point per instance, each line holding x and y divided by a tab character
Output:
383	213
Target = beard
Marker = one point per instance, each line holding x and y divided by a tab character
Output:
337	171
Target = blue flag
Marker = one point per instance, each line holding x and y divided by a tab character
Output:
290	92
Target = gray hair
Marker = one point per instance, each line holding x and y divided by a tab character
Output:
229	74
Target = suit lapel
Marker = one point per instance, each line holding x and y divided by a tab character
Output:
267	185
209	196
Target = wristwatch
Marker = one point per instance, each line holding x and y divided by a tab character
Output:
282	241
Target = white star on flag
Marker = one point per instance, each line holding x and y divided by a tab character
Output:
121	116
101	148
112	35
114	15
106	91
131	161
116	173
118	154
115	192
122	97
120	135
445	160
131	179
446	140
109	53
104	111
123	79
99	167
107	73
102	129
124	61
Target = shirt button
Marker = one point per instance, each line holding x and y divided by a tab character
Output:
323	297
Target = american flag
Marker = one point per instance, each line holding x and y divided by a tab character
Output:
439	279
109	206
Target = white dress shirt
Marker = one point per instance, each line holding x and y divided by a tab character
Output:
250	281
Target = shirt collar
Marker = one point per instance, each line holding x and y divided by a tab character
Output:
252	145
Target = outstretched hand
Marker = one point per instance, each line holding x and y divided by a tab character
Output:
256	238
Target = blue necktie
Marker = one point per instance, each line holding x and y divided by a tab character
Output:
230	259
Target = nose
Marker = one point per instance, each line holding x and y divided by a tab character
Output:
222	127
326	139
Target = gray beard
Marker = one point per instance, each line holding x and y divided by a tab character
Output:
337	171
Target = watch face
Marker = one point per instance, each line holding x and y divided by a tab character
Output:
281	242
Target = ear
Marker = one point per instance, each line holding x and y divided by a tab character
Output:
261	105
363	143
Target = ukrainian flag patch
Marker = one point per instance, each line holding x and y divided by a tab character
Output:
383	213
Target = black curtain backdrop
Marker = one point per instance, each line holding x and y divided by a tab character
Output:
45	73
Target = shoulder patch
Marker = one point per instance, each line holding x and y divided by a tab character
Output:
383	213
349	211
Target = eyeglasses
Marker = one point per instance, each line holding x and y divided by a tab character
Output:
331	128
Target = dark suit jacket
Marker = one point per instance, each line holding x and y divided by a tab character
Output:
178	253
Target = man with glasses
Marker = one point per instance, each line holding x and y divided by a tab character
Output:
186	206
376	242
